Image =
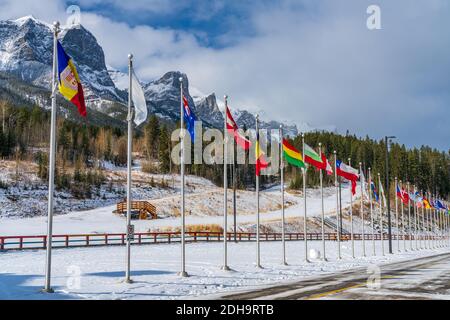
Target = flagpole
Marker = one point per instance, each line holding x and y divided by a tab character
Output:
396	215
183	272
415	221
129	163
305	234
51	175
362	210
403	219
427	224
283	222
371	213
351	216
225	188
423	239
381	217
337	207
323	208
258	245
409	217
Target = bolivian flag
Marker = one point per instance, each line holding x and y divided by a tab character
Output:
69	82
292	155
261	162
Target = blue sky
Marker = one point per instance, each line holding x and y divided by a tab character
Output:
304	61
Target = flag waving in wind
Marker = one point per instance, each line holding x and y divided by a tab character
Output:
233	129
374	190
261	162
348	173
69	82
313	158
190	118
138	96
292	155
328	167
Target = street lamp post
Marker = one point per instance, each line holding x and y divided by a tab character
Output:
387	142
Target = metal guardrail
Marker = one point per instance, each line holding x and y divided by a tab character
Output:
118	239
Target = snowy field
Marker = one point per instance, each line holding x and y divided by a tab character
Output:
102	220
97	273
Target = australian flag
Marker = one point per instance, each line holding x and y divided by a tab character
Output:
189	117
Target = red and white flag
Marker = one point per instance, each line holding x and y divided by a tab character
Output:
233	129
328	169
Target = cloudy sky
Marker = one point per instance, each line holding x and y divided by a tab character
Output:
311	61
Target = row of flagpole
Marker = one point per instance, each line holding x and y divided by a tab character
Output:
137	114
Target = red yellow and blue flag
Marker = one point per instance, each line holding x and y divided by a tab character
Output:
69	82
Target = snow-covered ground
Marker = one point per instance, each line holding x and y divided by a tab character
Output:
102	220
97	273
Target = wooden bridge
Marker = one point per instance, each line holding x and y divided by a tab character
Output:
145	209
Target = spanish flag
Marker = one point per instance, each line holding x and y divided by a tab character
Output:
261	162
292	155
69	82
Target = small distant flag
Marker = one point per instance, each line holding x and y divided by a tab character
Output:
426	203
69	82
233	129
374	191
382	193
261	162
403	195
328	167
292	155
348	173
189	117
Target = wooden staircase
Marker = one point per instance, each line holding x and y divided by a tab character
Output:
145	209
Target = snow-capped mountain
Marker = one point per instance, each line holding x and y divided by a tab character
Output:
26	53
26	48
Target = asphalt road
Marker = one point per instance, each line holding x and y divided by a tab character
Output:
424	279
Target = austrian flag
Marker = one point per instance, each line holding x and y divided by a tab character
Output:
233	129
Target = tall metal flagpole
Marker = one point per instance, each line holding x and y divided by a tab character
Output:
396	215
427	225
51	175
415	221
305	234
362	211
351	217
423	242
371	213
283	224
409	218
258	245
183	272
403	221
129	163
338	231
225	188
381	218
323	208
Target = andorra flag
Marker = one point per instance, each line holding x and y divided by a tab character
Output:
69	82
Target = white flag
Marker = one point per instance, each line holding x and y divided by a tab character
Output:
383	197
363	183
140	105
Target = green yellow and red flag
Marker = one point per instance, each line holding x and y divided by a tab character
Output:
292	155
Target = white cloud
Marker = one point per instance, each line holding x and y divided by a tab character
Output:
309	61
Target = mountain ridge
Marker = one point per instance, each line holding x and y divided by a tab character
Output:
26	53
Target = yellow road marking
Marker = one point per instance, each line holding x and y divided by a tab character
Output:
329	293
